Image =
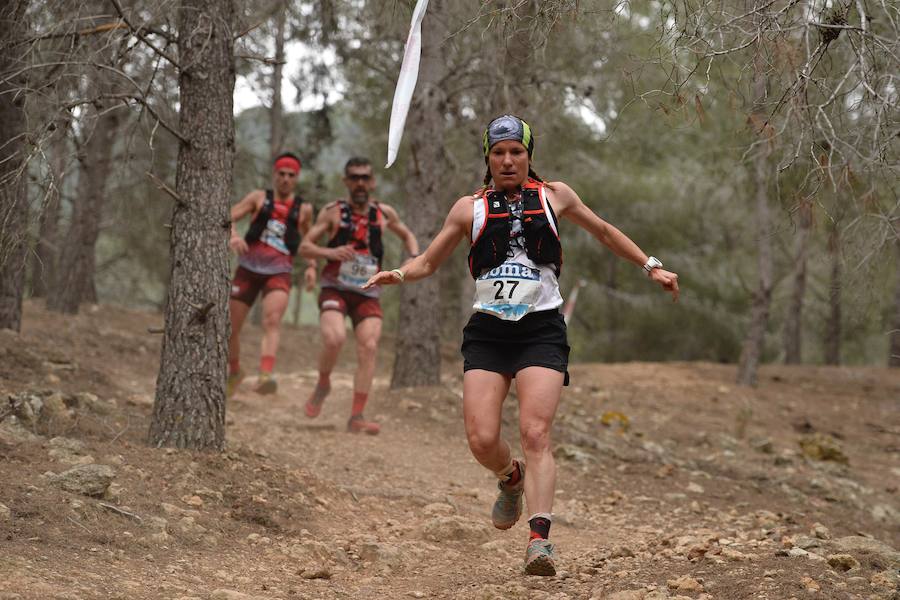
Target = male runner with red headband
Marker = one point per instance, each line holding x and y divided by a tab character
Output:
266	258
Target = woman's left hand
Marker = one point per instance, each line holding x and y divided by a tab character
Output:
383	278
668	280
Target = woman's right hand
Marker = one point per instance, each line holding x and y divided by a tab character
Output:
383	278
238	244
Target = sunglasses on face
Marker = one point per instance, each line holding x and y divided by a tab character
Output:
357	178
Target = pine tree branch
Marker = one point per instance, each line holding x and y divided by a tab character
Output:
139	32
162	185
81	33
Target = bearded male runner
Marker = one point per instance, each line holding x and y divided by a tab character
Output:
353	254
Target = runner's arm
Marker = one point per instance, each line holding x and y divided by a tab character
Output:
568	204
249	204
401	230
310	249
457	223
303	226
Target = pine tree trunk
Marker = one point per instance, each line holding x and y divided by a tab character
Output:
276	118
833	325
450	274
751	352
612	326
74	283
418	360
793	326
189	411
44	260
515	67
13	192
894	353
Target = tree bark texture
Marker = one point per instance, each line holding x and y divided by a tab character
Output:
46	249
515	69
752	349
418	359
189	410
612	312
13	191
793	325
74	283
833	324
276	119
894	352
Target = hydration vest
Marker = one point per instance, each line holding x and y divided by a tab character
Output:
490	242
344	234
259	224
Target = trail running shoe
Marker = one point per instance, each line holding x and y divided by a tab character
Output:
266	384
232	383
540	558
357	424
508	505
314	404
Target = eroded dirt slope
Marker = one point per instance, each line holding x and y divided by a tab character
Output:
706	493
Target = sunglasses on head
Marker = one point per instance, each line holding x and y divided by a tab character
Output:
356	177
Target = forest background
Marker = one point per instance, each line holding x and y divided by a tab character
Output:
752	146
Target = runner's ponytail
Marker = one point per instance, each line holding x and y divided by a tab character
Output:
487	182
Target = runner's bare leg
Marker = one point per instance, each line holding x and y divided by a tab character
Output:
539	390
483	395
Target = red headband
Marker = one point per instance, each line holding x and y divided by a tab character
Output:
288	163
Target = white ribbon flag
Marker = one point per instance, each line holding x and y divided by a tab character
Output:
406	83
568	308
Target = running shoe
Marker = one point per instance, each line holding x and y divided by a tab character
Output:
314	404
357	424
508	506
540	558
266	384
232	383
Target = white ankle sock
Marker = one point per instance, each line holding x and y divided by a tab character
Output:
507	471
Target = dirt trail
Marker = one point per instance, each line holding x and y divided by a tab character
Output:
706	493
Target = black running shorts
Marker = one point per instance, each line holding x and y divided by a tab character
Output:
536	340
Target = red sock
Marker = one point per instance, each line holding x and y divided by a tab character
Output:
324	380
266	364
359	403
516	475
234	365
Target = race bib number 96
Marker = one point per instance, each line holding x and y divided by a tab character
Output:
355	273
509	291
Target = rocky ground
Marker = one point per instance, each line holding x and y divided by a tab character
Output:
673	483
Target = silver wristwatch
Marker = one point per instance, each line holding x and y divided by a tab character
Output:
652	263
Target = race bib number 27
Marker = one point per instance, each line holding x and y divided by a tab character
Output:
509	291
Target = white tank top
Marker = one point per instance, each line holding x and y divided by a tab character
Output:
518	286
